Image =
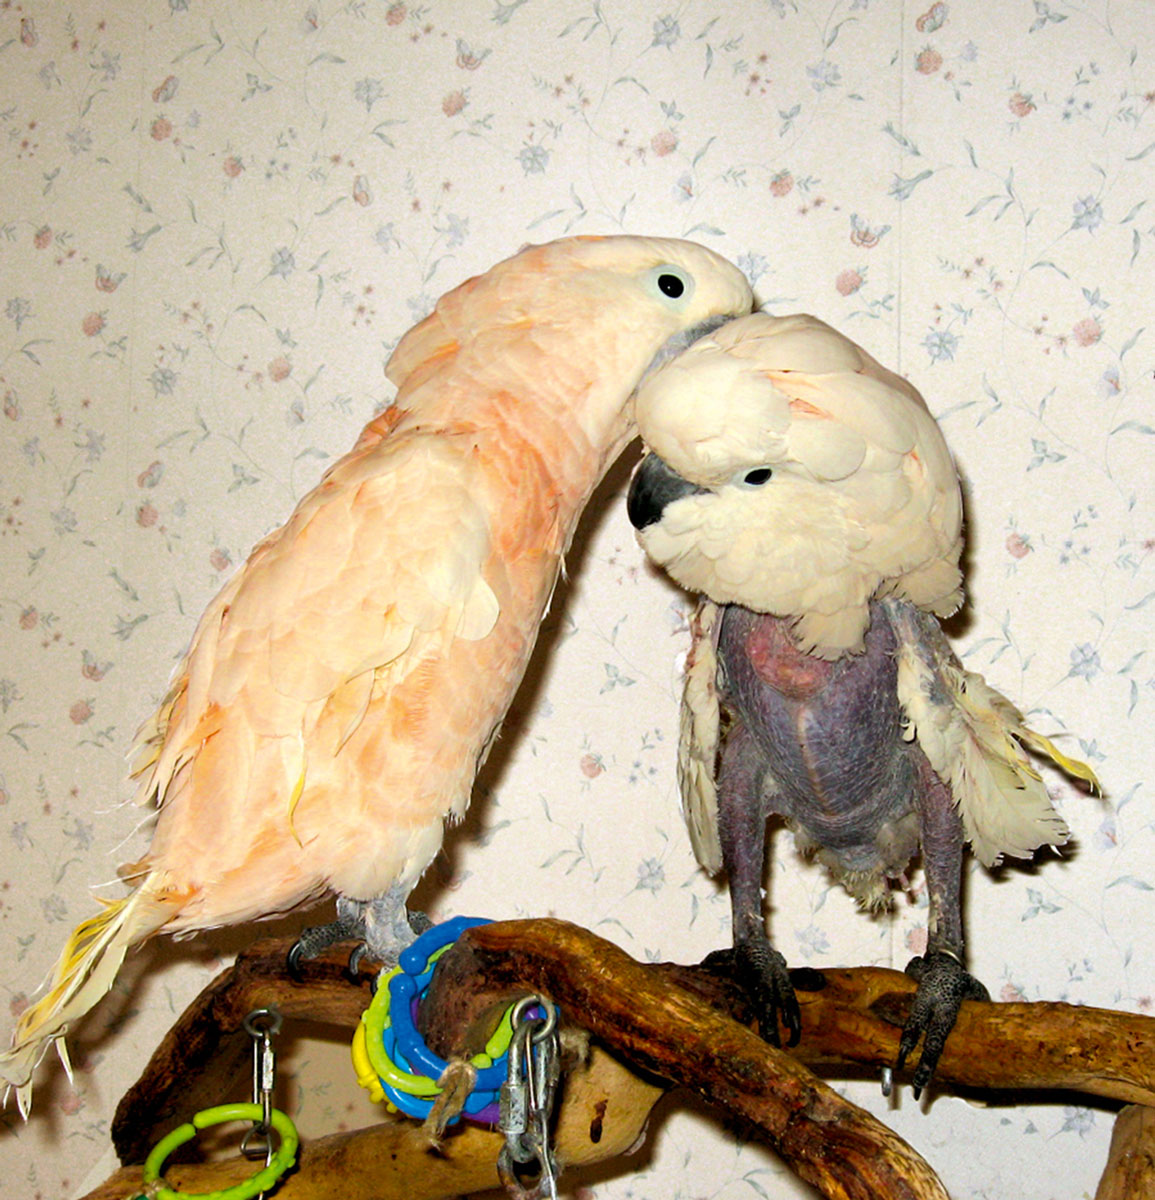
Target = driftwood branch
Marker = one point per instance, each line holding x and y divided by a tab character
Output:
683	1025
203	1054
664	1029
1130	1173
855	1016
394	1160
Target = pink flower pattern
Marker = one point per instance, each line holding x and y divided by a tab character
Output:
219	219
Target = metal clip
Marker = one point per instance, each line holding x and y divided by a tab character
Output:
527	1099
513	1099
261	1025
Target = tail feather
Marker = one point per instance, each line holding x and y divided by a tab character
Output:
83	974
1045	748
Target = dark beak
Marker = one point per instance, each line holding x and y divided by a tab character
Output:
654	486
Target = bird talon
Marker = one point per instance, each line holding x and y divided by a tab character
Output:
762	972
352	970
943	985
293	963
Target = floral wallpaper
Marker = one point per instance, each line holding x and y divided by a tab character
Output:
216	221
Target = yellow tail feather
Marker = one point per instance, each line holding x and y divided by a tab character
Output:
1071	766
83	974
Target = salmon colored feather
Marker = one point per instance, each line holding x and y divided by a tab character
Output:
342	689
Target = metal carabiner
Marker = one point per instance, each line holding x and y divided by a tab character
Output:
527	1100
261	1025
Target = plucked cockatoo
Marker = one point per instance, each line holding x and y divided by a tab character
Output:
807	493
343	688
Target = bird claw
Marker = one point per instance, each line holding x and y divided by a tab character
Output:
381	929
762	971
943	985
316	939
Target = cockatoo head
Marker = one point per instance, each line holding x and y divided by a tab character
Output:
792	474
569	328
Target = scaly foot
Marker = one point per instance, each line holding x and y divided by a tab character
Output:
762	971
943	984
382	926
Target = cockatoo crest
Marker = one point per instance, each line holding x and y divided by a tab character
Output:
821	480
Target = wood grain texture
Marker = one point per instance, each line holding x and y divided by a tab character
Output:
652	1026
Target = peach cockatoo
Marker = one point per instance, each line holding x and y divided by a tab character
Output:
808	494
341	691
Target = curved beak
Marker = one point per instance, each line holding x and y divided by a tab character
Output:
654	486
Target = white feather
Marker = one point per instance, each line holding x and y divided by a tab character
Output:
970	734
698	741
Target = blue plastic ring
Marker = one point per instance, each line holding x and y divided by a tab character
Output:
417	972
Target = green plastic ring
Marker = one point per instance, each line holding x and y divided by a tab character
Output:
262	1181
375	1019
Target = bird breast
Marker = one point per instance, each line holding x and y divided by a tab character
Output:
829	733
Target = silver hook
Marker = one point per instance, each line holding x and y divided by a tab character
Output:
527	1100
261	1025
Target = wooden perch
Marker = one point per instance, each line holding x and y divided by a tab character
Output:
394	1160
838	1147
854	1016
672	1021
1130	1173
202	1055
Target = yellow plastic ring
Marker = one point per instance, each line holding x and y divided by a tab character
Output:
262	1181
363	1068
373	1066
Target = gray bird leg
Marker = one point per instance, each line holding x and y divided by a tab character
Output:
742	831
943	981
383	926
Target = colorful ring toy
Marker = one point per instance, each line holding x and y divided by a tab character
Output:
262	1181
390	1057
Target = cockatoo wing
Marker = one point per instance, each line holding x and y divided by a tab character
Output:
973	737
388	549
699	736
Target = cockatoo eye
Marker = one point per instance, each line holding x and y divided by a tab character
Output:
757	477
671	285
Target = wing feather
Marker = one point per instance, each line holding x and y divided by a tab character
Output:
973	737
699	736
381	554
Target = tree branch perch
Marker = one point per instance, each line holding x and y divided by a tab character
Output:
683	1025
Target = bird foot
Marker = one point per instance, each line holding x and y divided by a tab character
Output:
943	985
383	927
314	940
762	971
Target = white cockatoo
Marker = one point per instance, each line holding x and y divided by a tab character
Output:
808	495
341	691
